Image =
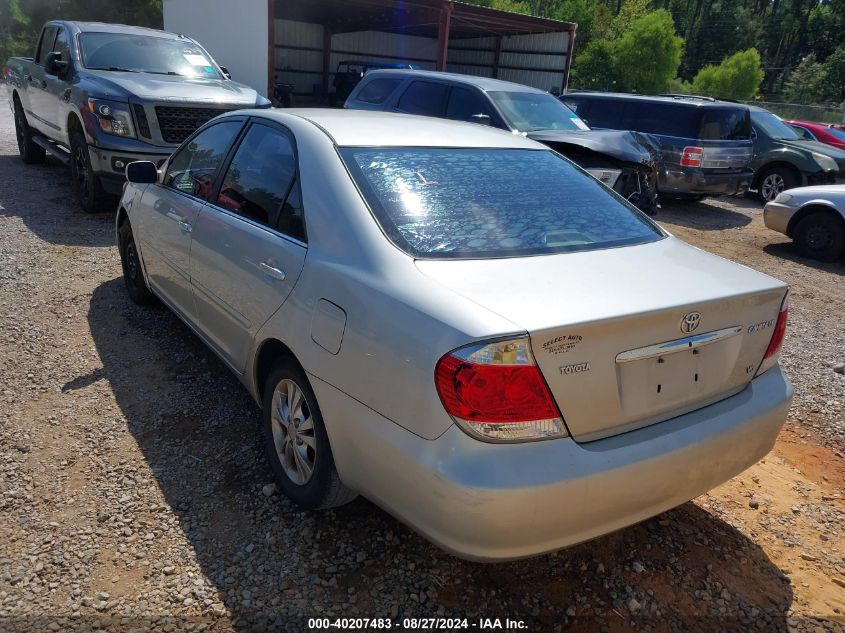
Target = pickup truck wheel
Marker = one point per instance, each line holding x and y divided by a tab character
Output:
773	181
133	272
820	236
296	443
30	152
87	185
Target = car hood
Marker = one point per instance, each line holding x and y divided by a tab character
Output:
123	85
815	146
819	191
619	144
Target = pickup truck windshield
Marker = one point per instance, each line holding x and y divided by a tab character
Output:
532	112
487	203
145	54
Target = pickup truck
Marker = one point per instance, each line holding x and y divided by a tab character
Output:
99	96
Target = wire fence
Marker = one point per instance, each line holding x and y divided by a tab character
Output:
803	112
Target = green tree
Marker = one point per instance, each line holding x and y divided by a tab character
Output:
596	67
806	83
649	53
737	77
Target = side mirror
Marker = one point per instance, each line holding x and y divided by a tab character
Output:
142	172
225	72
54	64
555	91
482	119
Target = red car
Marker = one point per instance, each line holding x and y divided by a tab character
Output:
828	133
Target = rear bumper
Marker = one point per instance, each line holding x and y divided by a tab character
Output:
492	502
776	216
697	182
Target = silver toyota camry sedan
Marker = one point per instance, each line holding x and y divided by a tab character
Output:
457	323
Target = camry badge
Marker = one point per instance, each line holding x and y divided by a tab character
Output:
690	322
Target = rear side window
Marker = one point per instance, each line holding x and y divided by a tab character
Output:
378	90
260	178
485	203
424	97
193	166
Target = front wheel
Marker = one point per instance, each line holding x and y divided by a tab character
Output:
775	181
820	236
296	443
86	184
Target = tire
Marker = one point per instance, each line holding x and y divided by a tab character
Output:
296	443
820	236
31	153
773	181
133	271
86	184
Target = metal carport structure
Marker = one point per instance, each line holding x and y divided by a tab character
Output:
311	36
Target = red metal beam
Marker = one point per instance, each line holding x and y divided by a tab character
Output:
443	30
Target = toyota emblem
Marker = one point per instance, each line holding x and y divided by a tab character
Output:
689	323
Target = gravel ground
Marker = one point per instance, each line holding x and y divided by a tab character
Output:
133	491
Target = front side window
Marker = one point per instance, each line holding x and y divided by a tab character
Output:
61	45
607	113
837	134
424	97
45	45
260	179
485	203
533	112
193	166
773	126
147	54
468	105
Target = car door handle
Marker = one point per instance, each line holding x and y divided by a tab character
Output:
186	227
272	271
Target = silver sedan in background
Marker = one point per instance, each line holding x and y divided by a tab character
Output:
458	323
814	217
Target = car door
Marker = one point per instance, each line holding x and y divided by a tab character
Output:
170	210
36	78
249	243
56	89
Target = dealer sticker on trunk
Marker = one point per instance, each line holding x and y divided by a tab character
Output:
562	344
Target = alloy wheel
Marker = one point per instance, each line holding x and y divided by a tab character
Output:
293	432
772	185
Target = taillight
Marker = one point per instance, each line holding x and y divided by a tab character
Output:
691	157
495	392
770	358
5	72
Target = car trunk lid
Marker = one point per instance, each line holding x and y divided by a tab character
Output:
631	336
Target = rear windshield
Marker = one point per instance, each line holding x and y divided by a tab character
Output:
148	54
706	124
485	203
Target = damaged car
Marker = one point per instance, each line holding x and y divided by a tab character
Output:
627	162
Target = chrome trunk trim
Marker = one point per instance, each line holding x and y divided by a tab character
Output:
678	345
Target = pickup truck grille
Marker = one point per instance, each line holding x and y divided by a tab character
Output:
178	122
141	120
